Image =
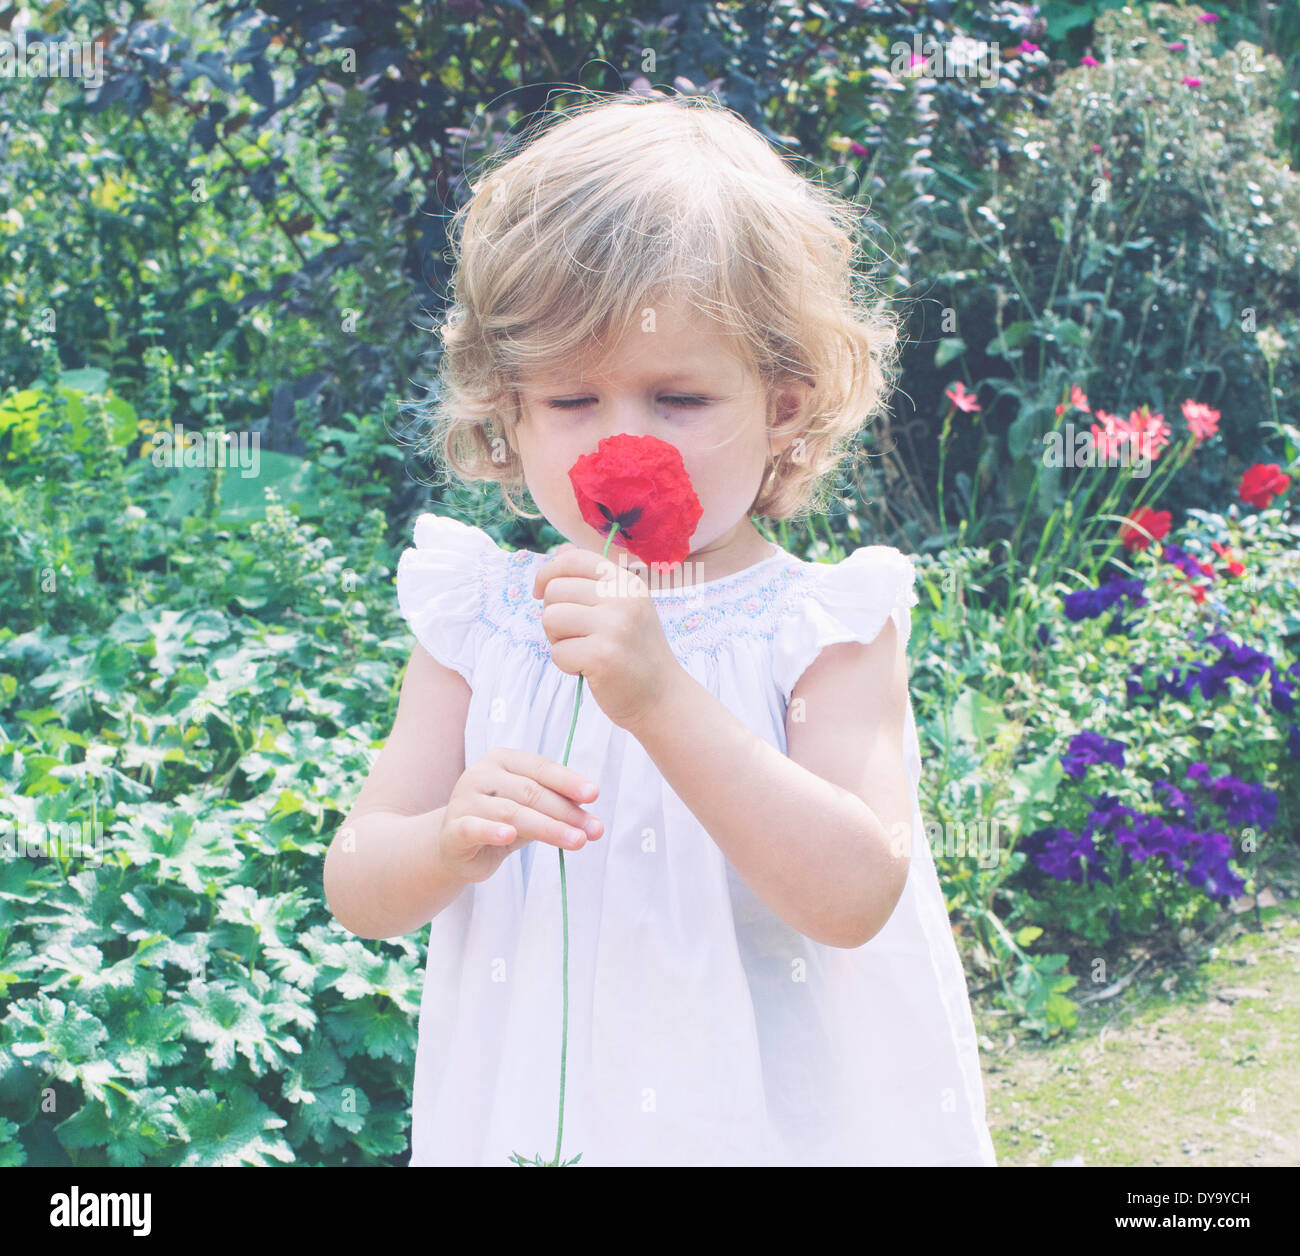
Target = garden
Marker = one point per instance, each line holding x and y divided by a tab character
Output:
222	260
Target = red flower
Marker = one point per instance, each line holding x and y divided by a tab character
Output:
1234	567
1261	483
1155	522
640	482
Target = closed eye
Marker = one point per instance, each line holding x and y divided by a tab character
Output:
572	403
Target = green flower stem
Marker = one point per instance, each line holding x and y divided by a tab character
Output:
537	1161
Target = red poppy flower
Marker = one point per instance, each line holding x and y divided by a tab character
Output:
1261	483
1155	522
640	482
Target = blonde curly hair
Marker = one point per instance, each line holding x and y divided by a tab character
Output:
564	241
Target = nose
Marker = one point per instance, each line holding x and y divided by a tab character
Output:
630	418
633	415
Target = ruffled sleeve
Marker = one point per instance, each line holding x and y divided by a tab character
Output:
440	590
845	601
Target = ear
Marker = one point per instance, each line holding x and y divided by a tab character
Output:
788	403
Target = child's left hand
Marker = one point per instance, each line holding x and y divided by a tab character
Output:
601	621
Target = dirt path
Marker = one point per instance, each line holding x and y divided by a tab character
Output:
1197	1064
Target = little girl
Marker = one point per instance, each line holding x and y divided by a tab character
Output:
760	965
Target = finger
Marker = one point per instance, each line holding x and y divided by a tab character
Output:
488	832
562	620
556	776
574	589
530	825
537	812
569	560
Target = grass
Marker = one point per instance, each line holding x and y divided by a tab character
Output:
1195	1063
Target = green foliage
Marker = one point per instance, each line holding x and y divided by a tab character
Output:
1147	239
176	989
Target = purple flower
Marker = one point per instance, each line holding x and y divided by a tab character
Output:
1086	749
1150	835
1089	603
1066	856
1107	813
1282	695
1178	800
1177	683
1293	742
1236	660
1210	871
1243	803
1181	559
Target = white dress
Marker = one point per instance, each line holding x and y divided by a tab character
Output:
703	1029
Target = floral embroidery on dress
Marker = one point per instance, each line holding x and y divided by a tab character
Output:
748	603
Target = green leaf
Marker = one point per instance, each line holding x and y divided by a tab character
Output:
1010	340
976	717
1036	782
947	349
12	1152
230	1131
86	379
132	1128
1020	434
302	487
232	1019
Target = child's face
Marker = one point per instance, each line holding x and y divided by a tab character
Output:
680	382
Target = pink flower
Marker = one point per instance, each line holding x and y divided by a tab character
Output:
1096	148
963	400
1177	47
1089	61
1077	401
1203	421
1111	436
1025	46
1190	81
1150	431
1208	17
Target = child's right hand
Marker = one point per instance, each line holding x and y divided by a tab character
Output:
532	797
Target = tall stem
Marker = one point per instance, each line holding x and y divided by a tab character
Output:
564	908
